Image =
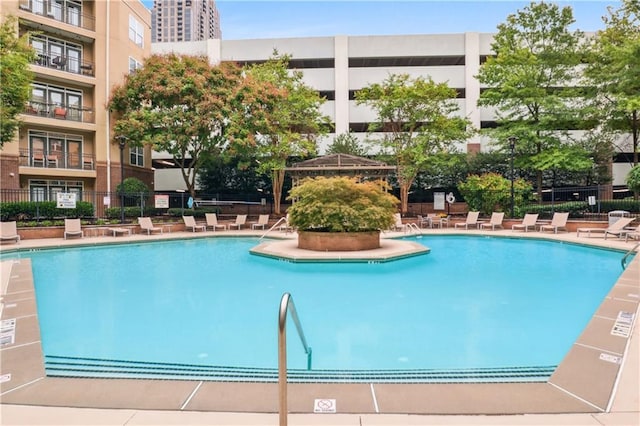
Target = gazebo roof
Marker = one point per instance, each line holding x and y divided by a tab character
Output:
340	164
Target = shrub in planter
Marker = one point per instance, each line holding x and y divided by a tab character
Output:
341	204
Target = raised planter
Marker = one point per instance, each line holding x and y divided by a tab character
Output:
338	241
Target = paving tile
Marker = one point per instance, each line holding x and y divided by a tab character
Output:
476	398
584	374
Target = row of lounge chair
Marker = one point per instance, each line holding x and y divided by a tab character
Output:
530	222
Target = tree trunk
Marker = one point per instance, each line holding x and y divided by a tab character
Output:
277	177
404	197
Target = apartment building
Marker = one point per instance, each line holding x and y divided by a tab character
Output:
339	66
184	20
65	143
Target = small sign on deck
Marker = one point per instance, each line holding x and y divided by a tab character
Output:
324	406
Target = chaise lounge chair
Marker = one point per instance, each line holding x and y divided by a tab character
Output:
529	221
617	228
263	221
286	226
212	221
241	219
9	231
398	225
146	225
190	222
472	220
494	222
72	228
634	234
558	221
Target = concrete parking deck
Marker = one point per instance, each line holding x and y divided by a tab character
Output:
596	384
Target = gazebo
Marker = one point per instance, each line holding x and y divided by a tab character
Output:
339	165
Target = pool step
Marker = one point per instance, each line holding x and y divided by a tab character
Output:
57	366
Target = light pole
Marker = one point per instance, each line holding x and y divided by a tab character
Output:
512	145
181	191
122	141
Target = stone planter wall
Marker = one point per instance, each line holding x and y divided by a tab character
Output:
338	241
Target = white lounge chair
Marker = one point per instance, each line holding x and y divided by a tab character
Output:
146	225
398	225
494	222
212	221
558	221
286	226
263	221
617	228
633	234
472	220
529	221
9	231
241	219
72	228
190	222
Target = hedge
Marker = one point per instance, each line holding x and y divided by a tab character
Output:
43	210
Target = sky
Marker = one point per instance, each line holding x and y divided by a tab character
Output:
245	19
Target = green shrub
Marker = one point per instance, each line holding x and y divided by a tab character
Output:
47	210
341	204
491	192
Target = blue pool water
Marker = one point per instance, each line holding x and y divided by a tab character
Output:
472	303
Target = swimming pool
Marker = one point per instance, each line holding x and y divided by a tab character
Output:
474	309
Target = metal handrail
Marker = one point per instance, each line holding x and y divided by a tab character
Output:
623	262
272	228
413	227
286	303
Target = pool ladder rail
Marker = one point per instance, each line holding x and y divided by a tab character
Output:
281	220
287	305
413	228
633	250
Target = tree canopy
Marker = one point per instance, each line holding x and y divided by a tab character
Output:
614	70
531	83
178	104
279	118
15	78
417	116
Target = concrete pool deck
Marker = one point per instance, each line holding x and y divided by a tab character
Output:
596	384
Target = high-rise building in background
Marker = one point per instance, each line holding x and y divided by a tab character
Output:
184	20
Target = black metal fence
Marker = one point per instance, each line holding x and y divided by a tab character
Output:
588	203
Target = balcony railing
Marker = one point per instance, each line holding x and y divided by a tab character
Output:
60	112
65	63
66	13
56	160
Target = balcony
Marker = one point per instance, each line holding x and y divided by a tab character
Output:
56	160
64	63
60	112
68	13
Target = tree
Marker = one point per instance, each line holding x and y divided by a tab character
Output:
491	192
633	181
531	84
346	143
15	78
278	117
417	118
614	70
179	104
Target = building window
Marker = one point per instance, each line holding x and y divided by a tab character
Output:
133	65
136	156
55	150
56	53
136	31
47	190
